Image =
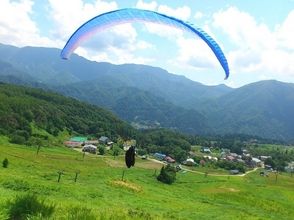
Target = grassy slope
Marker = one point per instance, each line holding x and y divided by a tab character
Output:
191	197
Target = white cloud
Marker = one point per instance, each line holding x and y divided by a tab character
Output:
257	49
285	32
148	6
68	15
195	53
116	44
114	55
198	15
192	53
165	31
17	27
183	12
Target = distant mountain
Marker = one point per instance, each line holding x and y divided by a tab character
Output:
265	108
151	97
113	86
45	65
140	107
10	73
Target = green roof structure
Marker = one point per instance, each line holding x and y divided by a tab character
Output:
78	139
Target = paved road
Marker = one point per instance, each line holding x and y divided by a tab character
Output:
210	174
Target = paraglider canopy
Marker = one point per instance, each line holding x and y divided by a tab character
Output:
129	15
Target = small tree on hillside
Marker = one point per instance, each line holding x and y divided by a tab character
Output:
5	163
101	150
115	151
167	174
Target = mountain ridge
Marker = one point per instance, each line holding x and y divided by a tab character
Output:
173	101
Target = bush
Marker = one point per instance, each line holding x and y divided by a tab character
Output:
17	139
5	163
27	206
167	174
141	151
101	150
115	150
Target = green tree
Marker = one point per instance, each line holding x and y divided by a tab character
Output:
167	174
5	163
141	151
115	151
101	150
17	139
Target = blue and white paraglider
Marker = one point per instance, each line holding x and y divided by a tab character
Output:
130	15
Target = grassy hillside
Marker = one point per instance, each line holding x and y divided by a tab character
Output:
99	193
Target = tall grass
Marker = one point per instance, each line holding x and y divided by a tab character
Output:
28	205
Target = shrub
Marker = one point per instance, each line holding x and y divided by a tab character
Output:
5	163
101	150
17	139
167	174
28	205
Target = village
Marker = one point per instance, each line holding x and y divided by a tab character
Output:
198	157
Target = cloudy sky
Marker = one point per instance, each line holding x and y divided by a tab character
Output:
256	36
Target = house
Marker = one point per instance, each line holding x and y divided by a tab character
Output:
205	150
79	139
189	162
110	143
94	142
244	151
263	158
90	148
230	158
234	155
210	158
226	150
75	141
104	140
223	155
290	167
159	156
72	144
268	167
144	157
234	172
246	155
240	161
169	159
256	162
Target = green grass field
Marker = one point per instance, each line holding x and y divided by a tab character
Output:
99	192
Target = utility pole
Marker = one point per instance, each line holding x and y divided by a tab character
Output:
59	175
76	176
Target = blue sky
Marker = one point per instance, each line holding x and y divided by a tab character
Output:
256	36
